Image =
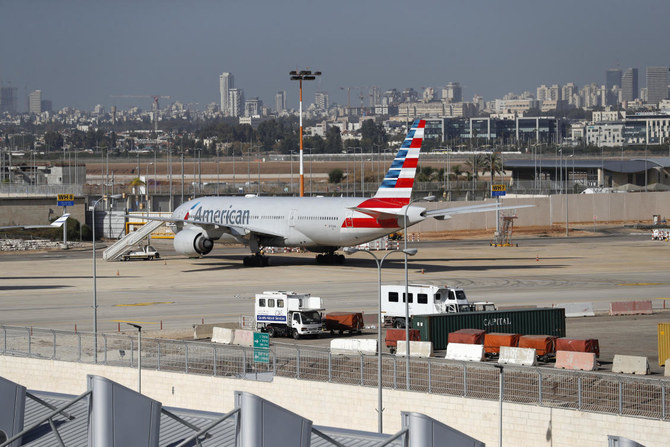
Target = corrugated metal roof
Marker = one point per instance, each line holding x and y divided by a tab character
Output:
75	432
622	166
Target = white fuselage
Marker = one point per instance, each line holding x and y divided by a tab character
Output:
310	222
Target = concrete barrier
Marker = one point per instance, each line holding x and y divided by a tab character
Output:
243	337
223	335
201	331
584	361
351	346
416	348
631	308
517	356
630	364
465	352
577	309
666	372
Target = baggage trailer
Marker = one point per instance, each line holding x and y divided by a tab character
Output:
344	321
394	335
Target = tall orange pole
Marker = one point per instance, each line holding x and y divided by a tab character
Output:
302	172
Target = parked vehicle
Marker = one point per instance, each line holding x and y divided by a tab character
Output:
344	321
423	300
146	253
288	313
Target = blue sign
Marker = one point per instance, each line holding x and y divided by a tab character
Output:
498	193
65	203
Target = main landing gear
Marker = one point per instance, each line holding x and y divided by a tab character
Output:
330	259
256	260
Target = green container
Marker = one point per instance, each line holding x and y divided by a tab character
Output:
543	321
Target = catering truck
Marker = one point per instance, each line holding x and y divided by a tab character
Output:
288	313
423	300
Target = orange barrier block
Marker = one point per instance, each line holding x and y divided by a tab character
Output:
584	361
631	308
494	340
467	336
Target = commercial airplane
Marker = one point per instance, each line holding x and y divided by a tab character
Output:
55	224
318	224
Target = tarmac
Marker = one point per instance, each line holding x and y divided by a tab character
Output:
54	289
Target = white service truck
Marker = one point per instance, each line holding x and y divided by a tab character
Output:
288	313
423	300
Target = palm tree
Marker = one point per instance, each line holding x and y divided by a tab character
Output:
475	163
493	165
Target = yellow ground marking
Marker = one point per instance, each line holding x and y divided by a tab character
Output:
642	284
151	303
135	322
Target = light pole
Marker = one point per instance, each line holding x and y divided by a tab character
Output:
411	252
95	277
500	401
139	355
426	199
302	75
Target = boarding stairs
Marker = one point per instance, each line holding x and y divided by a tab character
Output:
115	251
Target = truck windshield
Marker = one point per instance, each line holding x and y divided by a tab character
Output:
460	295
311	317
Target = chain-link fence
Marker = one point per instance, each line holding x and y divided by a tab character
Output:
585	391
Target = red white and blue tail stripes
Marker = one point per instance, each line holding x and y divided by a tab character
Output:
399	179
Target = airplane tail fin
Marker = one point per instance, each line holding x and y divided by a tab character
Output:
399	180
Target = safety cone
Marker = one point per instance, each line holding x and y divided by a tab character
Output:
422	271
537	257
117	273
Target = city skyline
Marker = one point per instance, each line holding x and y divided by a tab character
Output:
169	48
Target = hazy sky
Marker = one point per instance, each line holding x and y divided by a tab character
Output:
81	52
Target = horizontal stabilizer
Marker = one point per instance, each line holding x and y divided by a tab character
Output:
446	213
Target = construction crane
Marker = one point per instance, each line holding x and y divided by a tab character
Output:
155	105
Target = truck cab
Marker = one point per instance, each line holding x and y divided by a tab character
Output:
422	300
288	313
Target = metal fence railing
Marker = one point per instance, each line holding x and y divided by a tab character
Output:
585	391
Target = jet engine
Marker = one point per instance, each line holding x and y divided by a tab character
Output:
192	242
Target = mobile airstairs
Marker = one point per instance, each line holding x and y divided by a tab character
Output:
115	251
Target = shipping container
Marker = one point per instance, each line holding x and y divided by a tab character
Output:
436	328
663	343
467	336
494	340
344	321
393	335
544	345
578	345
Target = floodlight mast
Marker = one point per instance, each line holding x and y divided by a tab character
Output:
302	75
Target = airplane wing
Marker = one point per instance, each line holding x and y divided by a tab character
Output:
55	224
446	213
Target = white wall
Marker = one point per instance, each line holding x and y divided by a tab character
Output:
350	406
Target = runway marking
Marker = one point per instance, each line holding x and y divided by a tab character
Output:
135	322
150	303
641	284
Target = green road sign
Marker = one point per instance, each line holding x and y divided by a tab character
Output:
261	340
261	347
261	356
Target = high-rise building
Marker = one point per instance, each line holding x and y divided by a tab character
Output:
253	107
235	102
629	87
657	84
569	93
226	82
321	100
542	93
280	101
612	79
375	96
452	92
8	96
35	102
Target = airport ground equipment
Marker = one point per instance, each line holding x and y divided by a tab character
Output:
288	313
120	247
423	300
351	322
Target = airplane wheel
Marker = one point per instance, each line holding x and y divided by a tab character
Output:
340	259
319	259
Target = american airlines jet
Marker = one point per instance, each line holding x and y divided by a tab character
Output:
319	224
